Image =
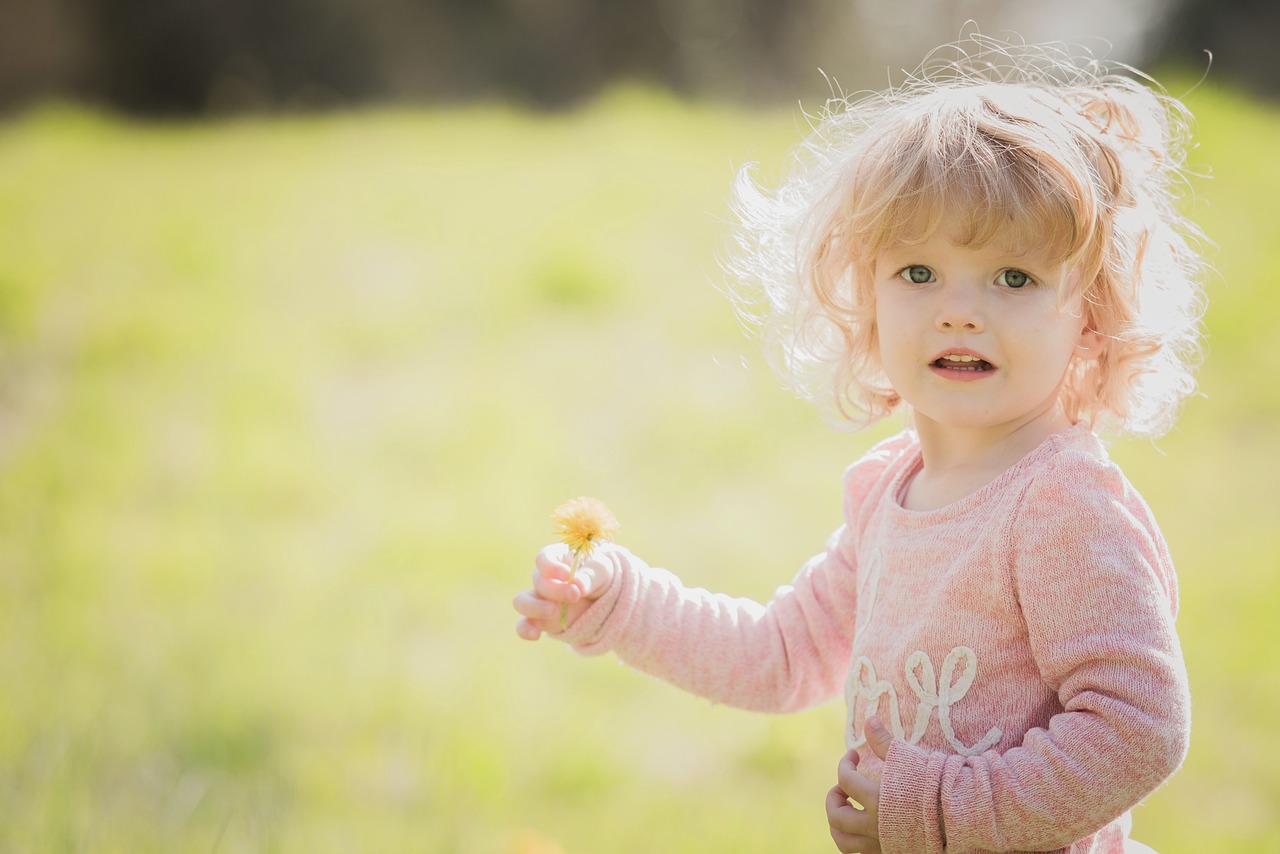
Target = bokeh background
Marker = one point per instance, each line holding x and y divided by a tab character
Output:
310	313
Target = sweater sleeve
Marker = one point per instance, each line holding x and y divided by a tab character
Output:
788	654
777	657
1099	598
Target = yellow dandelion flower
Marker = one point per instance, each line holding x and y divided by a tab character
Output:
581	523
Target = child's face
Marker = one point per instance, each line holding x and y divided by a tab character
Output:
994	310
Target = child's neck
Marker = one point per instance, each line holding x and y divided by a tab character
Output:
958	462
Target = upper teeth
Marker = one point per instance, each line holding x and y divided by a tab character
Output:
955	358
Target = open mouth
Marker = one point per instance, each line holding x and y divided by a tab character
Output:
963	363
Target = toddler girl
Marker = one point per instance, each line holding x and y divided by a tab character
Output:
994	248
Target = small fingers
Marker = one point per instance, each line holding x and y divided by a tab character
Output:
844	816
837	800
551	578
553	560
555	590
850	826
852	843
529	604
528	630
857	785
593	577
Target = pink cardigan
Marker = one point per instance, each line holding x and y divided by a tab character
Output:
1020	644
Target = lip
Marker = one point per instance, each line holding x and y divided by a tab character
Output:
964	375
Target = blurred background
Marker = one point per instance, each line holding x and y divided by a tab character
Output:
198	58
310	314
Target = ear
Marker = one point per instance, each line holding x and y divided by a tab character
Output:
1089	345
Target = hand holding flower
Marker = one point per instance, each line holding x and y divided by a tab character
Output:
565	580
556	588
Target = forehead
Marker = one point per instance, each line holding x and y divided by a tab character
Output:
990	237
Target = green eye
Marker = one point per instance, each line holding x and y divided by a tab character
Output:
1014	279
919	274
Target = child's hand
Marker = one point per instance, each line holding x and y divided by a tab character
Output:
540	607
853	829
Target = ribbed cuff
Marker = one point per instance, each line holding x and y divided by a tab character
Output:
910	808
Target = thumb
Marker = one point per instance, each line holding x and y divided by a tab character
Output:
878	737
593	577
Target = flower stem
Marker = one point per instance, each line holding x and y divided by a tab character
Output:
573	568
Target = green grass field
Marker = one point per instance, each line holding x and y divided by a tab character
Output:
285	405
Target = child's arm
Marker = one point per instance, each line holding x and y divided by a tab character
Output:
788	654
1099	600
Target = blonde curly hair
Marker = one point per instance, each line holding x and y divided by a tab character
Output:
1038	148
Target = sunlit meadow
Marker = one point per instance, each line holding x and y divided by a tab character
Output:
285	405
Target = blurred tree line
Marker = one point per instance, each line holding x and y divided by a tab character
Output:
188	57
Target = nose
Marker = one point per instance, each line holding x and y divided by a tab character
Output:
959	308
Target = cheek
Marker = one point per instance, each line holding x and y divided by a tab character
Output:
1051	352
890	319
1050	334
888	336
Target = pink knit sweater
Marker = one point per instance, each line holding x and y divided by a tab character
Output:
1020	644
